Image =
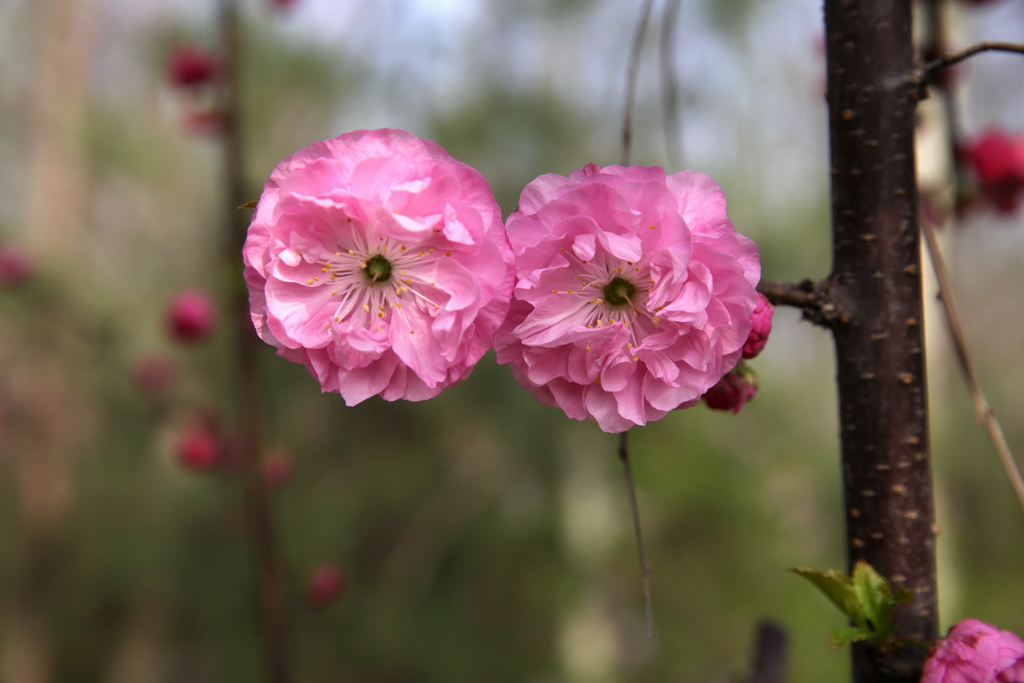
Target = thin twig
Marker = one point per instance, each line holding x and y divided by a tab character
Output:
634	509
985	46
669	86
982	410
631	78
270	593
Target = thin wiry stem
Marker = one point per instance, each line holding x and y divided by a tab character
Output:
669	86
631	78
634	509
270	593
982	410
986	46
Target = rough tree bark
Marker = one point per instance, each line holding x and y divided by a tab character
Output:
872	301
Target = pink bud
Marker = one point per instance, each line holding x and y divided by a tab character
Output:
199	449
15	265
992	157
154	375
191	67
997	162
203	118
277	468
325	586
761	327
191	316
733	391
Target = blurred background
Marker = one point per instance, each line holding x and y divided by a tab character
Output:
479	536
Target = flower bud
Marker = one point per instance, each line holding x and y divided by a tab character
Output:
154	375
761	327
191	316
277	468
15	265
733	391
325	585
199	449
191	67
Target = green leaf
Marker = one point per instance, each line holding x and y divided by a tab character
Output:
866	598
838	588
846	635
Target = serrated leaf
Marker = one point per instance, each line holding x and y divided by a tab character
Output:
846	635
873	594
837	587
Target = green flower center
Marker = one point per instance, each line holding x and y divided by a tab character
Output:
619	292
378	269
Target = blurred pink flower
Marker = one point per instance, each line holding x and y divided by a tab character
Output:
760	327
276	468
281	4
199	448
191	316
997	160
15	265
380	263
634	292
154	375
976	652
190	67
732	392
325	585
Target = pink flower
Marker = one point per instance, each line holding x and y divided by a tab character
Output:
154	375
380	263
760	327
732	392
16	265
277	468
634	292
325	585
199	448
190	67
191	316
997	161
976	652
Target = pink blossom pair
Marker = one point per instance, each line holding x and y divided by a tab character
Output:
617	294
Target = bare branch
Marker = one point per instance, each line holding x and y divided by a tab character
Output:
669	86
986	46
982	410
634	509
631	78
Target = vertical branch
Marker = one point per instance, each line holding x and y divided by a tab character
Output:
631	79
638	531
876	287
256	500
669	86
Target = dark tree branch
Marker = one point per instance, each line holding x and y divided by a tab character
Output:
769	653
876	284
270	594
937	65
641	547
